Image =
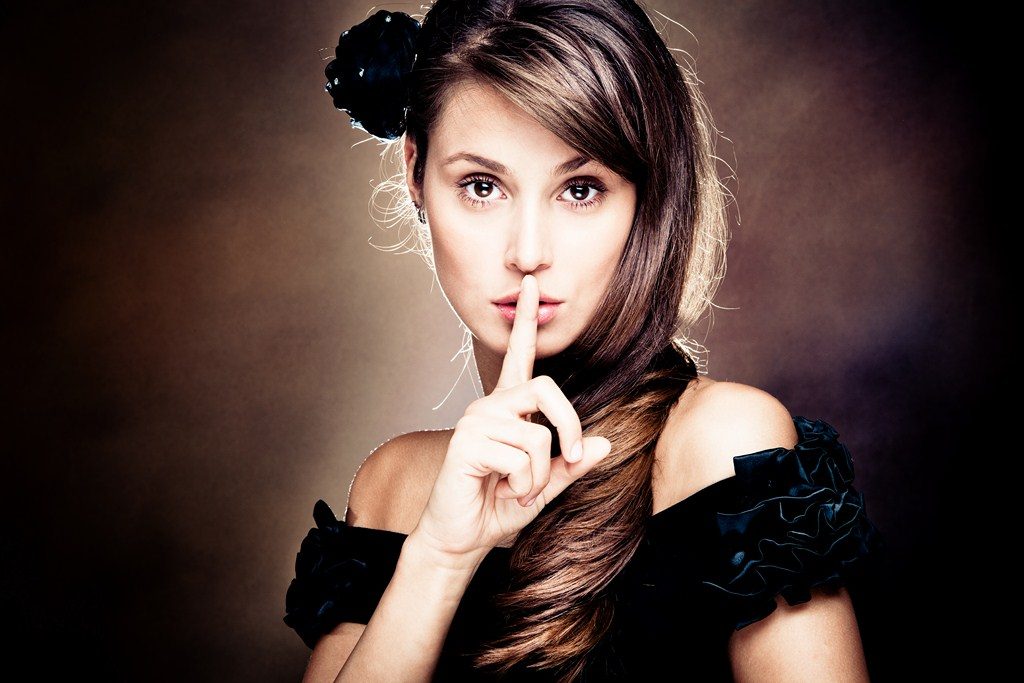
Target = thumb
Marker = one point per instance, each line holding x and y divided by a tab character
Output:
595	448
602	445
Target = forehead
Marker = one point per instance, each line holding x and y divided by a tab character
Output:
478	119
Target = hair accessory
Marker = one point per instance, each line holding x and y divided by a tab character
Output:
369	77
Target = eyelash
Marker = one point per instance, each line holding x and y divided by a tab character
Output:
575	182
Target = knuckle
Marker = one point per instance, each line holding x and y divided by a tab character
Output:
523	474
530	434
544	381
541	437
489	398
481	406
524	467
457	440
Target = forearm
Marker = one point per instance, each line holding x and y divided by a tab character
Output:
403	639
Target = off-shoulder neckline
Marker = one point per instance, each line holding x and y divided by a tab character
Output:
695	497
658	519
676	508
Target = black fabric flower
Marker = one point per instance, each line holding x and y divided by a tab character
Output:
798	523
336	576
369	76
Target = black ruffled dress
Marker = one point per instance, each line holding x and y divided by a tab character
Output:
786	521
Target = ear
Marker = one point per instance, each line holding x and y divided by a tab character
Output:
409	152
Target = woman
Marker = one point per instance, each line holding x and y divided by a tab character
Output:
605	511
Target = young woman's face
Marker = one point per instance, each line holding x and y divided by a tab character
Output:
499	206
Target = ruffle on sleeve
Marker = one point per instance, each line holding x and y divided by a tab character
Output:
798	523
340	574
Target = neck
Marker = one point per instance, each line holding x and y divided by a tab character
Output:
488	366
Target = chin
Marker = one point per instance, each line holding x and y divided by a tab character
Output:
494	335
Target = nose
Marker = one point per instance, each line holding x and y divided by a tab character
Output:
530	240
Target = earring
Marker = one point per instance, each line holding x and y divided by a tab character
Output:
421	216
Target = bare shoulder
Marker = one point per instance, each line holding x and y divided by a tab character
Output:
712	422
391	486
388	491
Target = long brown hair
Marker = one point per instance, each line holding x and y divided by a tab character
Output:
598	74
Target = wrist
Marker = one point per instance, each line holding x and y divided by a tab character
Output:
425	554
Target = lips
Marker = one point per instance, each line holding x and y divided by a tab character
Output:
545	311
514	298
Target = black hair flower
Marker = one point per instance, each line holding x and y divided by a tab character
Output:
369	77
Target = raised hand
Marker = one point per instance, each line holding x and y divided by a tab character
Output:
498	473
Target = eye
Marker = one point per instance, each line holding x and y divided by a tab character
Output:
476	190
484	187
579	192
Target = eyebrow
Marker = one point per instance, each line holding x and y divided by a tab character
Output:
563	168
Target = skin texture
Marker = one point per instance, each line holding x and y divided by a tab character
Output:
468	510
525	223
711	422
487	236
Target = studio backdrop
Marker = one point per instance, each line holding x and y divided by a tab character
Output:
207	333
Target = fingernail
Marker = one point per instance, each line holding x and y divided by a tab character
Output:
577	452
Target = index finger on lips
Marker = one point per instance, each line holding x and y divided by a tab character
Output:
517	366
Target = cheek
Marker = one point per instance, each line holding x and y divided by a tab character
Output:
597	271
452	246
600	256
460	264
462	251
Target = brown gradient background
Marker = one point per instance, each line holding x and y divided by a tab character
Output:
202	342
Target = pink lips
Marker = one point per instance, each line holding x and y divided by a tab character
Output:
545	311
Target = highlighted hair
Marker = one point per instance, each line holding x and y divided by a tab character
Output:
598	74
